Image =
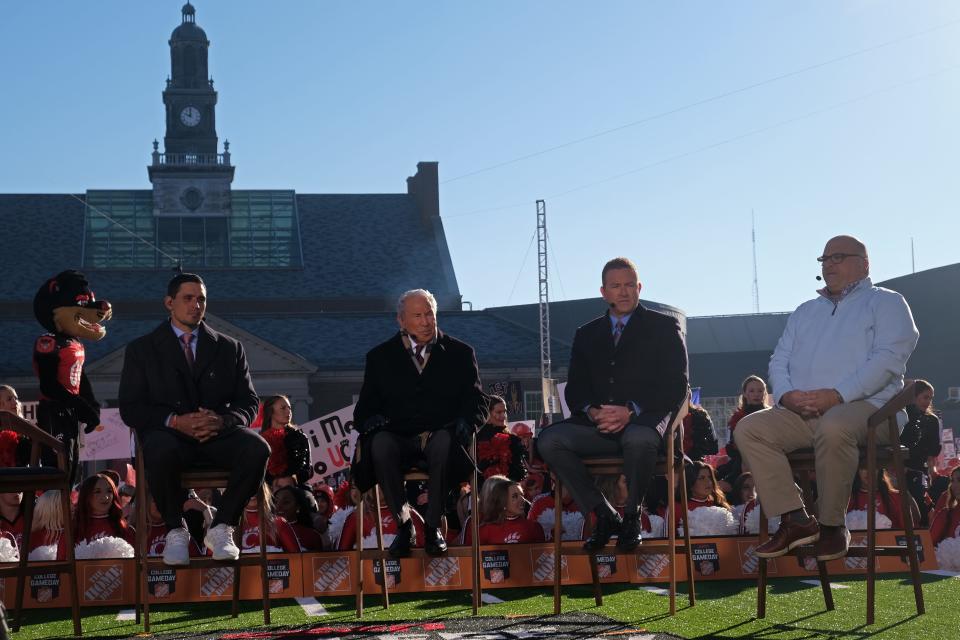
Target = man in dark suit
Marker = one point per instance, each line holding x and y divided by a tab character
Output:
186	390
421	394
628	373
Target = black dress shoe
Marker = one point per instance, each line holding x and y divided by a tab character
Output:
435	545
629	537
406	538
608	524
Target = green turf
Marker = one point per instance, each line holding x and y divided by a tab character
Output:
725	609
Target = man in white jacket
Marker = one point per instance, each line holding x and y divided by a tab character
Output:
842	355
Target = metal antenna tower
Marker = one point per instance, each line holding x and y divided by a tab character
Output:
756	283
546	374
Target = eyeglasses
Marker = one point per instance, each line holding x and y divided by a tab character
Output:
837	258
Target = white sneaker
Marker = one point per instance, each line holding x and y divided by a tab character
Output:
176	549
219	540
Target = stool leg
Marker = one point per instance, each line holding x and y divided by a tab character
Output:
384	589
358	548
264	580
475	532
595	576
825	585
762	569
557	545
912	554
688	547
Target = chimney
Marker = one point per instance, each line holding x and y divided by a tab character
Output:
425	189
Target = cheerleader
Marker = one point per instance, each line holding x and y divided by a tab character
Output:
500	452
542	512
100	528
280	537
753	397
297	507
708	511
946	520
11	517
289	447
888	513
348	534
502	515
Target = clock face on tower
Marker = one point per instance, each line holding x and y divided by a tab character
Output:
190	116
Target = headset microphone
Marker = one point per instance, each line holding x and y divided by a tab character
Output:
819	278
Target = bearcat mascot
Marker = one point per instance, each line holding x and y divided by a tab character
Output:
68	310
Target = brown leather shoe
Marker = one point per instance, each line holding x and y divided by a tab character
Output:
789	536
834	543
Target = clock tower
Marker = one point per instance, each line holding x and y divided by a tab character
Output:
190	177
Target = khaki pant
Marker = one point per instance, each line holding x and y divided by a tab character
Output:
765	437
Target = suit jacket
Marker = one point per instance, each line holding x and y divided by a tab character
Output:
448	389
156	380
648	367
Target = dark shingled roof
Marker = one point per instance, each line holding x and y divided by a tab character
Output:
331	341
364	245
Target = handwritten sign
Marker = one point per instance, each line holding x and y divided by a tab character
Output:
332	439
109	441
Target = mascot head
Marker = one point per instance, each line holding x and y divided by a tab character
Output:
65	304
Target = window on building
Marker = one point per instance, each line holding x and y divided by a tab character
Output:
532	405
262	231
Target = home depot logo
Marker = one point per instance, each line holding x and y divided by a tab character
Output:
652	565
215	581
856	563
103	582
331	575
441	572
543	566
749	562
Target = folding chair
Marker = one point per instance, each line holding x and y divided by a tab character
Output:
197	478
29	480
876	456
671	464
380	554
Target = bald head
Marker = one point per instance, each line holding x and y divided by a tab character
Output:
844	261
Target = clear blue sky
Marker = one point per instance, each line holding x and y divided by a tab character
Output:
347	97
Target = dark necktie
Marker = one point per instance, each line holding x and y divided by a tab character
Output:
418	353
187	339
617	332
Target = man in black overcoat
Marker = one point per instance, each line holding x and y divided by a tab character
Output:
421	400
186	390
628	374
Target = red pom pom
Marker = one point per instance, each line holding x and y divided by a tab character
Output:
8	448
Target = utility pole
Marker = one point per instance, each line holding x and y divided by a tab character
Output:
756	283
548	384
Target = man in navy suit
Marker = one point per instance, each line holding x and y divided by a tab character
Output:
628	374
186	390
421	394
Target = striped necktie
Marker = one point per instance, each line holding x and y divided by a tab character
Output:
617	332
187	340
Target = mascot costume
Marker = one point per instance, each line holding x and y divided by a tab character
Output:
68	310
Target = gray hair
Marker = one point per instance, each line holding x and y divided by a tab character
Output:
423	293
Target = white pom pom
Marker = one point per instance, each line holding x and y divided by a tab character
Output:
107	547
856	520
44	553
712	521
751	524
948	554
337	520
658	527
8	551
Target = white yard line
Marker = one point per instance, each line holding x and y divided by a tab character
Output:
311	607
489	598
127	614
943	572
833	585
660	591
